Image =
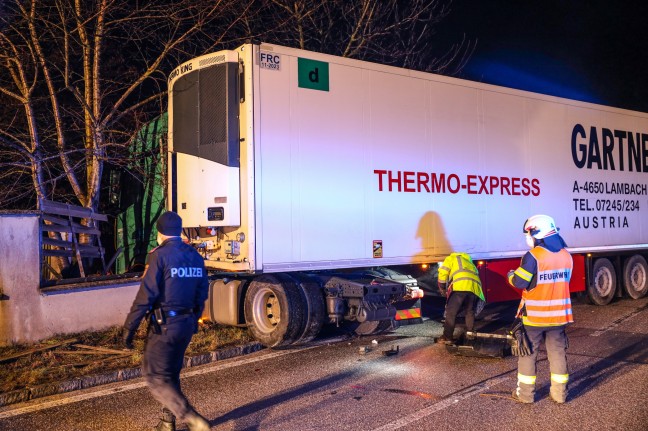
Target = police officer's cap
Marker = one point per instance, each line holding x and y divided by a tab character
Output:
169	224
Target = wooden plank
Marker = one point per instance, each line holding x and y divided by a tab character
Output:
57	242
55	220
58	228
59	208
55	228
67	244
102	360
63	253
66	222
71	210
84	248
37	349
100	349
79	259
49	268
70	252
62	208
86	230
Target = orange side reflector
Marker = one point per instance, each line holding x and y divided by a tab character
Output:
412	313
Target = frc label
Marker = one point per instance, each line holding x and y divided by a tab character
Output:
269	60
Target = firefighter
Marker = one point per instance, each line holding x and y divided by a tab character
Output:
172	295
459	282
545	308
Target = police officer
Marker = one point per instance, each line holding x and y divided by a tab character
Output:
458	280
173	293
544	274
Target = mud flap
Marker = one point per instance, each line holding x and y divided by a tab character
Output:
481	345
409	312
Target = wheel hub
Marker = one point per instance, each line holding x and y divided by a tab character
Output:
603	282
267	310
637	277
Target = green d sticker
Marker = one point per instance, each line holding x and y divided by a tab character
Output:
313	74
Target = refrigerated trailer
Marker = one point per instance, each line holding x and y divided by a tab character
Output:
319	188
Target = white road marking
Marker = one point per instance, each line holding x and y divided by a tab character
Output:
443	404
618	322
209	368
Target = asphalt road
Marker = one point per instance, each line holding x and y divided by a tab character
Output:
330	385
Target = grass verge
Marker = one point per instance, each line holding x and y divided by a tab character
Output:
74	355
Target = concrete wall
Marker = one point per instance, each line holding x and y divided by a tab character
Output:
27	314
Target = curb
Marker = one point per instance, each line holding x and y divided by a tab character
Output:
47	389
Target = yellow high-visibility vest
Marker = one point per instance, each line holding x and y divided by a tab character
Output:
459	270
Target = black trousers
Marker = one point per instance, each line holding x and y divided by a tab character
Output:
459	300
163	360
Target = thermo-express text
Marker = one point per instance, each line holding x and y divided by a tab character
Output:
433	182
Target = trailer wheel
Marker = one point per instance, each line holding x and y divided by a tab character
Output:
275	310
316	313
635	276
602	285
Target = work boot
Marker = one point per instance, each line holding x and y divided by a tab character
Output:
195	422
517	398
551	397
557	398
167	421
444	340
558	393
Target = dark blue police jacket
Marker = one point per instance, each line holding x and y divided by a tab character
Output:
175	279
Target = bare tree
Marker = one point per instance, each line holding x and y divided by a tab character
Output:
395	32
80	78
77	79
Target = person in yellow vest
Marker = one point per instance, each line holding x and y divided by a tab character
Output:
459	282
545	308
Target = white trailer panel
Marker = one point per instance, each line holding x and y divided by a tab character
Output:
468	163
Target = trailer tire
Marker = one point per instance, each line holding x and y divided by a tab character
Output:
275	310
316	313
602	285
635	276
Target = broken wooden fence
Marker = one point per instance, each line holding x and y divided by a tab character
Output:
69	220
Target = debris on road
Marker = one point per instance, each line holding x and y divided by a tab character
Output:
391	351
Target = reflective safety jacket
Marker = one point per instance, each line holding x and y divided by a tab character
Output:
545	277
459	270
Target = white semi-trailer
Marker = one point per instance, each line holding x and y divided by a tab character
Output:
305	179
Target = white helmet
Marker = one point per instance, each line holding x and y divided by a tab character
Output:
540	226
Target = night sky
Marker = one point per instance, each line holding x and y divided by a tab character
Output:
594	51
